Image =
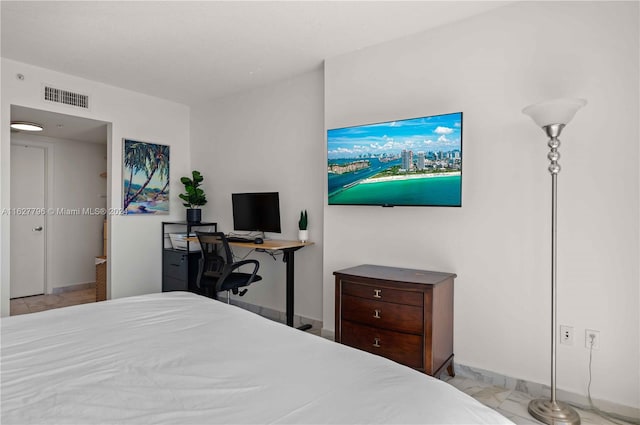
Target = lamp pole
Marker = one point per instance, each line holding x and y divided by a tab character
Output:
553	116
553	131
554	412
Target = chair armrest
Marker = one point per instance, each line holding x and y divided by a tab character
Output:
241	263
229	268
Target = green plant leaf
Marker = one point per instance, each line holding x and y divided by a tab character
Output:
193	195
303	222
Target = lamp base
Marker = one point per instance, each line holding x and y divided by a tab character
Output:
553	413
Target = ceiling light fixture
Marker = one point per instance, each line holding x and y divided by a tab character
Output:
26	126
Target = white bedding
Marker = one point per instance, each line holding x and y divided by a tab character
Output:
178	358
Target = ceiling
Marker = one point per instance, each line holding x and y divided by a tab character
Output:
192	52
61	126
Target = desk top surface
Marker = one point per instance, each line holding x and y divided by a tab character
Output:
272	244
269	244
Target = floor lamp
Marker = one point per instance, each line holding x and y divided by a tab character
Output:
552	116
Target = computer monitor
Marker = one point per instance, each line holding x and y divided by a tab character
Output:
256	212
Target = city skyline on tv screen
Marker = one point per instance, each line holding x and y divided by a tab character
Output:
411	162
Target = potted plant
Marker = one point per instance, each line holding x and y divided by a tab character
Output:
303	233
193	197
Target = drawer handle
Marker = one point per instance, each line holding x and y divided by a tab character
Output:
376	342
376	314
376	293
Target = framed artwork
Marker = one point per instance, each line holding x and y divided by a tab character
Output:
145	178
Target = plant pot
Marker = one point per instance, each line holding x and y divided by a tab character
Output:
194	215
303	235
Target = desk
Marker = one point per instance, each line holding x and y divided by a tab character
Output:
180	266
288	248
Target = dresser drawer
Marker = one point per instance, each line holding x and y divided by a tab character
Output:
399	347
398	317
378	293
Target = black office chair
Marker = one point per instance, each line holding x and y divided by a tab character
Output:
217	271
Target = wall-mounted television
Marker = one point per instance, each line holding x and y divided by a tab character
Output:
256	211
409	162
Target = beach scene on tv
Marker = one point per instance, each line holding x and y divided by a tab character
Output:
412	162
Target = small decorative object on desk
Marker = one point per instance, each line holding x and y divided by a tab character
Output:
193	196
303	233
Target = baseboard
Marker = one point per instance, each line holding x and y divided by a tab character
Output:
275	315
75	287
326	333
540	390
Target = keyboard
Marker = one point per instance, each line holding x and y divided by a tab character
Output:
238	239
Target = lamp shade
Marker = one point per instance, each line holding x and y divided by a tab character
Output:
557	111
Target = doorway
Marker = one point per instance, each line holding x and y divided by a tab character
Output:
58	181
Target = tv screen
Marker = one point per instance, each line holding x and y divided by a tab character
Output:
410	162
256	211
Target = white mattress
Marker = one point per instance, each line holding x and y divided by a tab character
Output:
178	358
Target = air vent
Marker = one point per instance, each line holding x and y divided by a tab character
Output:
52	94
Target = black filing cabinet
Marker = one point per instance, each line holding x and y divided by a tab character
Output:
180	263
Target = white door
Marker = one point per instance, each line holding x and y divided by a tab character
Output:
27	220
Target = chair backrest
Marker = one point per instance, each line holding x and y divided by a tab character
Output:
216	252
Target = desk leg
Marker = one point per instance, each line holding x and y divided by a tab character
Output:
289	259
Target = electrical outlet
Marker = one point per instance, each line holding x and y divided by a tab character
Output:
566	335
591	337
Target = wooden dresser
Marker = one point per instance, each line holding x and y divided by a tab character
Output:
405	315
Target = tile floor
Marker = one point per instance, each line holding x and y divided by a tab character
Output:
513	404
50	301
510	403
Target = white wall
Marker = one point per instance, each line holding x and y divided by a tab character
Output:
76	184
498	243
489	67
269	139
134	265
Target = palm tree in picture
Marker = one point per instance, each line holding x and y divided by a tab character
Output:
135	161
163	171
147	158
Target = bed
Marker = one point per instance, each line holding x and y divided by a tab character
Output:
179	358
